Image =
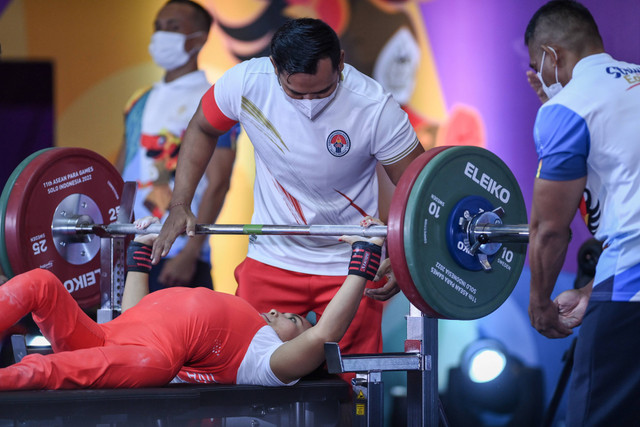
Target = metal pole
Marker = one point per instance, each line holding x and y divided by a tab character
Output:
485	233
422	385
246	229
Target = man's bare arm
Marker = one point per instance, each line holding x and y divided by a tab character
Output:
554	206
390	288
181	269
395	170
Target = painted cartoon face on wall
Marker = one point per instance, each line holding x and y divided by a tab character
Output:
397	64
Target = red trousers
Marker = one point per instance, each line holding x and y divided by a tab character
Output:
146	346
81	358
266	287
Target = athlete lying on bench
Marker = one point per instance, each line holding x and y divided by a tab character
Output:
180	334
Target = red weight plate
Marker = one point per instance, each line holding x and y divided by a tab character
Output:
50	183
4	198
395	230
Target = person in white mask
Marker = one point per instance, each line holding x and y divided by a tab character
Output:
318	127
155	120
553	89
537	81
587	137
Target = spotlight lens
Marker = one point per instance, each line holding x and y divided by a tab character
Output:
486	365
38	341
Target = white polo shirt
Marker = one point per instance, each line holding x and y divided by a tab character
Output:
319	171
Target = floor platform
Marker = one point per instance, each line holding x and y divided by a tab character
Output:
309	403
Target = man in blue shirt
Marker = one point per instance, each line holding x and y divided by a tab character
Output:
587	135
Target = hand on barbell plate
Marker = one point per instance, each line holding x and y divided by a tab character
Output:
141	224
180	219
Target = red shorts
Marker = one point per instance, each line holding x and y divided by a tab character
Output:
266	287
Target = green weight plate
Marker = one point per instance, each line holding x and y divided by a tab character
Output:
4	199
453	291
395	229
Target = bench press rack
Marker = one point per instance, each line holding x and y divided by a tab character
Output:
112	260
419	360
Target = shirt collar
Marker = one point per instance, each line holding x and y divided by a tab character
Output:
591	61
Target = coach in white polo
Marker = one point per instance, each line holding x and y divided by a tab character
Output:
318	127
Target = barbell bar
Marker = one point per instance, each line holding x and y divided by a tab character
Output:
483	233
451	252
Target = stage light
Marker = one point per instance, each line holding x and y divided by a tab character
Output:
486	361
493	388
38	341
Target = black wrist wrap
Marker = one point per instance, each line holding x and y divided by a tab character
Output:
139	257
365	259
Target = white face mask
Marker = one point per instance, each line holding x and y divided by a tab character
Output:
167	49
311	107
556	87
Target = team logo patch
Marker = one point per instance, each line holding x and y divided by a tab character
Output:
338	143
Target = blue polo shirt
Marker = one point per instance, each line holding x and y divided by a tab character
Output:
592	128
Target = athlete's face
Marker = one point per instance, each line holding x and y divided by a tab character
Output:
286	325
312	86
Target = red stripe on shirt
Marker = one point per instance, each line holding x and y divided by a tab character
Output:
358	208
212	112
293	204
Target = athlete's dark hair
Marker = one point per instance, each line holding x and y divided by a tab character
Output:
565	21
299	44
203	18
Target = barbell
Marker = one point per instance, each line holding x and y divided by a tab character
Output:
455	234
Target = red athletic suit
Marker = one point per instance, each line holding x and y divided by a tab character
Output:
177	330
